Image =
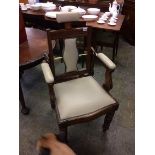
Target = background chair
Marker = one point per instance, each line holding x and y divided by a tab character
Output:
75	94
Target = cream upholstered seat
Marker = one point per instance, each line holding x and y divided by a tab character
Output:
80	97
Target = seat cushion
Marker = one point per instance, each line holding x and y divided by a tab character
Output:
80	96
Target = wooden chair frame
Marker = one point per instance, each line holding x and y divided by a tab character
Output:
90	55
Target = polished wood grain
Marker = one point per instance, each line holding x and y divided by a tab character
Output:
34	48
33	12
31	53
106	26
22	38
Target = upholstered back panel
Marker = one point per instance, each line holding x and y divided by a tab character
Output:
67	17
70	54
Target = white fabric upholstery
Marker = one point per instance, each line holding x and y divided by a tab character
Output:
80	96
67	17
106	60
70	54
47	72
53	43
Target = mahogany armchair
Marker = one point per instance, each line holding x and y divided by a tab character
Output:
75	95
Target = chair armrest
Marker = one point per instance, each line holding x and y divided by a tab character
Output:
49	78
106	61
110	67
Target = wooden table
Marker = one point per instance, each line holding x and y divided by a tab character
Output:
115	29
38	19
31	53
30	15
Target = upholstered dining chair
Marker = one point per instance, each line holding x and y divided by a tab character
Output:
75	94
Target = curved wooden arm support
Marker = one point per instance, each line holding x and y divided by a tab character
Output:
110	67
108	80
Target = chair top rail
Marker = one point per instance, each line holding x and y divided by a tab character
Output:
67	33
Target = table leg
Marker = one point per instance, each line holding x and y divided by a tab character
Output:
114	47
24	109
117	41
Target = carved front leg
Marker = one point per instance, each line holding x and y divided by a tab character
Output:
108	118
25	110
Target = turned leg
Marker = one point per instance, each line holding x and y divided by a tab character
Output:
63	134
114	48
107	120
24	109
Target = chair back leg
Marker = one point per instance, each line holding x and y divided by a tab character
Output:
63	134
